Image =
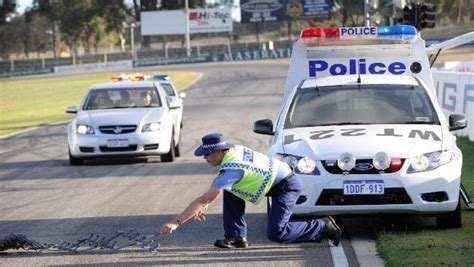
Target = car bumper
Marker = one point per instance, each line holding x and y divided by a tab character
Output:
93	146
430	192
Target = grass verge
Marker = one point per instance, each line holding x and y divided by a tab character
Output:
414	241
36	101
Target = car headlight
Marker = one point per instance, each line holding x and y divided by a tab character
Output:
429	161
301	165
346	161
151	127
84	129
381	161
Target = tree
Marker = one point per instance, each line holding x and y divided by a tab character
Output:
52	10
7	7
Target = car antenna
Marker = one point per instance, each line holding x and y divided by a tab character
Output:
358	75
358	72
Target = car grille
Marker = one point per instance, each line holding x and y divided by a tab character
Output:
117	129
331	167
335	197
118	149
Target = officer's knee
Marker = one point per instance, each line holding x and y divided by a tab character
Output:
275	235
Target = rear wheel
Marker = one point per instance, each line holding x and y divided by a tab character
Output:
75	161
169	157
451	219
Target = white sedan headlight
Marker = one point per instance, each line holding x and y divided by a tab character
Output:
303	165
84	129
346	161
429	161
151	127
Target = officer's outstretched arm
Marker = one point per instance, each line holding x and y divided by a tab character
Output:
197	209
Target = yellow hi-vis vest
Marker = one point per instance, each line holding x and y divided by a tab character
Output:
259	173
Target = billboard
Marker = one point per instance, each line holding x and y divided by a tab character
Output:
282	10
173	21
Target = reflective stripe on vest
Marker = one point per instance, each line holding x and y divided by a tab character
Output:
259	173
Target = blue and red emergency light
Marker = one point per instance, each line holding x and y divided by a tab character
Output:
395	33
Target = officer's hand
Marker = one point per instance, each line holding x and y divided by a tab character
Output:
201	216
168	228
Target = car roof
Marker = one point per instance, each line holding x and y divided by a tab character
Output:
124	84
364	80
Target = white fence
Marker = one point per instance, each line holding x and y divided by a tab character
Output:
455	91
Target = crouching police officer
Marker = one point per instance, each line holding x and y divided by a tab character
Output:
247	175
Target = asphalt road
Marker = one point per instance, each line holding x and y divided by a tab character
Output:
47	200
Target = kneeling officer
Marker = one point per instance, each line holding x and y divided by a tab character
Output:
247	175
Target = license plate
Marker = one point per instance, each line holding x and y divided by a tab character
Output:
364	187
117	143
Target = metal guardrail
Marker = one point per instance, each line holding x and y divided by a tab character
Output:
465	196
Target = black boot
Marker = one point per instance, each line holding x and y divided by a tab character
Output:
331	230
237	242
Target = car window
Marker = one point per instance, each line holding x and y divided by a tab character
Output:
122	98
168	89
367	104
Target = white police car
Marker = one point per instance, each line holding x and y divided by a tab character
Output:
131	117
174	97
361	126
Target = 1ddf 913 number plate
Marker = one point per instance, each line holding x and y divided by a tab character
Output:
364	187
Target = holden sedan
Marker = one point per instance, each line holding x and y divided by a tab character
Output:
124	118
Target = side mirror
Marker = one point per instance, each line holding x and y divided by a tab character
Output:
263	127
173	103
71	109
182	95
457	122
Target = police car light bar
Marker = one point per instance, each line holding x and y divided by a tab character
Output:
132	77
315	36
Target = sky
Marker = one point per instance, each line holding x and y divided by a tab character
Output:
22	5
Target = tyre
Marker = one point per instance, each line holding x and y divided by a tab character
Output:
169	157
75	161
177	151
451	219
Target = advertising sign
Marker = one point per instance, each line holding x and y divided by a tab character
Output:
262	10
282	10
173	22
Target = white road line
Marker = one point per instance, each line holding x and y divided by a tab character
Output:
339	258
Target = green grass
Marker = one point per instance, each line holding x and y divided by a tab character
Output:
414	241
42	100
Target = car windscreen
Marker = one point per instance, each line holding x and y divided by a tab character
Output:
122	98
364	104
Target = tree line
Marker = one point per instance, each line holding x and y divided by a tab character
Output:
65	25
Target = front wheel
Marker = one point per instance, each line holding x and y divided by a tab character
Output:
177	151
75	161
451	219
169	157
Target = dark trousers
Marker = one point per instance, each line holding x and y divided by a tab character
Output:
279	228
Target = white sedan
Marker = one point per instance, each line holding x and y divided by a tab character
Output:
124	119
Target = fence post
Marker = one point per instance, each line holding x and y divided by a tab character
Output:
12	65
166	51
198	50
43	64
105	58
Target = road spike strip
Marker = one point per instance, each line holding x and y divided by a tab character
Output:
93	241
